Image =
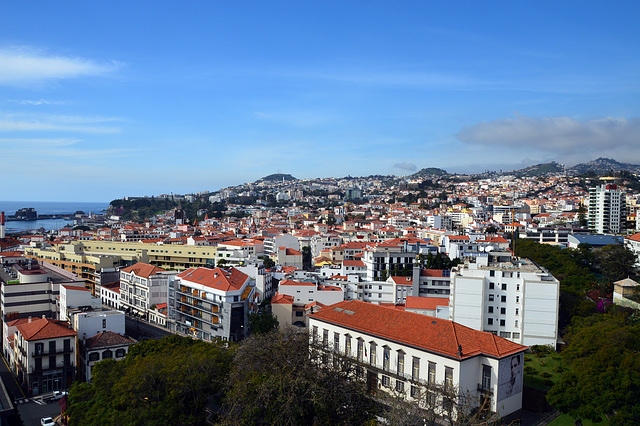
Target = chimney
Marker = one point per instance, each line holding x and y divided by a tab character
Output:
459	350
30	319
1	224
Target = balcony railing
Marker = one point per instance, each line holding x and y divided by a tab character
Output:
57	351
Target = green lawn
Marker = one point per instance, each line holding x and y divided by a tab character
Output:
567	420
541	363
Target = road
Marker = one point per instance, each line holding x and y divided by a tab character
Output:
138	329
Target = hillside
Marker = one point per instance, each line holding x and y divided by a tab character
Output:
277	177
430	171
536	170
603	166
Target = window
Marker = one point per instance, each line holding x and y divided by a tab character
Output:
386	382
502	323
490	309
120	353
492	273
504	286
517	299
505	334
360	349
517	311
503	311
372	355
400	362
415	368
314	333
52	362
399	386
486	377
448	376
415	392
94	356
503	299
491	286
336	342
325	337
299	313
432	372
385	360
516	323
518	287
104	323
347	344
491	298
490	321
516	335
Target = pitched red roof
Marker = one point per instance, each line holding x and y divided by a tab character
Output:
143	269
436	335
106	339
45	328
430	303
220	279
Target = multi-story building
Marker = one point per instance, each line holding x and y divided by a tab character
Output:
45	355
142	286
607	209
511	297
32	289
383	260
211	303
411	353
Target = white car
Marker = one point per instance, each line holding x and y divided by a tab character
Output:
59	394
47	421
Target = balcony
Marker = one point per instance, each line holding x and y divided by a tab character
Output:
57	351
485	389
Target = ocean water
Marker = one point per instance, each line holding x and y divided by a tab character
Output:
46	207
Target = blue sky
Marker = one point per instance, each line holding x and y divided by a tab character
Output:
100	100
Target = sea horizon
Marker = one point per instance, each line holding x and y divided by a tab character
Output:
47	208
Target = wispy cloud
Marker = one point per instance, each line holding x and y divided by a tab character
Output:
39	142
554	134
37	102
20	65
62	123
407	167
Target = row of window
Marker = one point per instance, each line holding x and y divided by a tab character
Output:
95	356
503	311
371	356
503	286
502	322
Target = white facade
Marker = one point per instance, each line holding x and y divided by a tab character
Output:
396	357
89	324
607	210
142	286
514	299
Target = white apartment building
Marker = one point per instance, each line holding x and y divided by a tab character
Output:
212	303
383	258
45	355
607	209
271	244
142	286
511	297
32	290
405	351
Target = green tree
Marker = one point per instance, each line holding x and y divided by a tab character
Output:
268	262
262	322
168	381
616	262
278	378
603	375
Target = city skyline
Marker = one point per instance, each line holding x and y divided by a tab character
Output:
105	100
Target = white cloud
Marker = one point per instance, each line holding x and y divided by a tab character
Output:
409	167
40	142
37	102
62	123
20	65
561	135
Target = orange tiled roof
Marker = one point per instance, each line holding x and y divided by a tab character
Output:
436	335
45	328
143	269
220	279
430	303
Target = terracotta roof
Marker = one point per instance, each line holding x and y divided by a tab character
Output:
430	303
436	335
291	282
220	279
143	270
106	339
45	328
282	299
402	280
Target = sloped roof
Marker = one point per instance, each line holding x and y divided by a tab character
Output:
106	339
430	303
143	269
45	328
420	331
220	279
